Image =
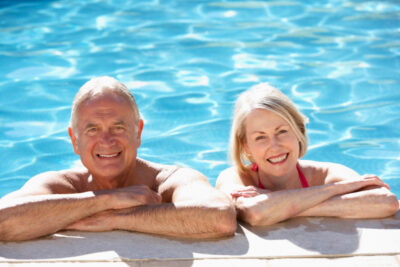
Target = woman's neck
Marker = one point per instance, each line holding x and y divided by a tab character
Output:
276	183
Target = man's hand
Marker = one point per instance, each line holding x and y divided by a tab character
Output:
122	199
132	196
100	222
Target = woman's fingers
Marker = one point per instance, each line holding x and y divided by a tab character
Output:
376	179
248	191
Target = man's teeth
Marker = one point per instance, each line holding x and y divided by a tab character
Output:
108	156
279	159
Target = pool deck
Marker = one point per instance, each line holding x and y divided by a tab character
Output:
297	242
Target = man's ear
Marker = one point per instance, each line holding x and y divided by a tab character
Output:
139	133
73	140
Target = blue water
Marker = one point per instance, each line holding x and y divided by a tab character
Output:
186	62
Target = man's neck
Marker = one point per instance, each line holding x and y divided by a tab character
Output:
104	183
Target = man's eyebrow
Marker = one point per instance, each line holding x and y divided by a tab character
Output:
119	123
90	125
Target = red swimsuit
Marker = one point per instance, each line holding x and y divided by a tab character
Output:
303	179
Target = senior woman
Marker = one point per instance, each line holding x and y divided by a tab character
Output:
269	183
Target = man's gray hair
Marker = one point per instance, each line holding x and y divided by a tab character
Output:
98	86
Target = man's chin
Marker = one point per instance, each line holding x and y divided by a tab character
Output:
106	173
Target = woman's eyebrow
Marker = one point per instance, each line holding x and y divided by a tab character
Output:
280	126
276	128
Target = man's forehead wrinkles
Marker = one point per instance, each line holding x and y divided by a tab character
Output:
96	121
99	114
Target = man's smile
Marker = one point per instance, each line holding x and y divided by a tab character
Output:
109	156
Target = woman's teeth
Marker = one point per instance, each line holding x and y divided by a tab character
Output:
278	159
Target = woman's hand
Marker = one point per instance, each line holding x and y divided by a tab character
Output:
364	182
248	191
377	179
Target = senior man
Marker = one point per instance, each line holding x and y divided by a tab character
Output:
116	189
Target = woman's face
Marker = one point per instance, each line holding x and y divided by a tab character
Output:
271	142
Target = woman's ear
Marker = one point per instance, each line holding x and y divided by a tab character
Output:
247	151
245	146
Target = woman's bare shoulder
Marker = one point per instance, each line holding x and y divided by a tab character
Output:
314	171
326	172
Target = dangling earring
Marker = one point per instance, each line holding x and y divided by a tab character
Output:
254	167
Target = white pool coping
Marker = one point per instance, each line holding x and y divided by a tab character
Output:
309	241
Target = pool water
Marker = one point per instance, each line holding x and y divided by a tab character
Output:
186	62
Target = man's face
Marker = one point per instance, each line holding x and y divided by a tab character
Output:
106	137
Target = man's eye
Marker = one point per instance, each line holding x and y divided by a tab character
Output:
91	130
119	129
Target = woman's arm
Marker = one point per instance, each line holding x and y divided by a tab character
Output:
273	207
265	207
368	202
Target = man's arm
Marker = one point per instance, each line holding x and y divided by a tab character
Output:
48	203
195	210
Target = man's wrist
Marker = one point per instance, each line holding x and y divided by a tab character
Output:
123	219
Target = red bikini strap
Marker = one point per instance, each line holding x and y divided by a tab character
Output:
260	185
303	179
254	168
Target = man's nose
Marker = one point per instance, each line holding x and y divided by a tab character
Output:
107	138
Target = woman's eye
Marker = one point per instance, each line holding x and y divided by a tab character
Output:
282	131
260	138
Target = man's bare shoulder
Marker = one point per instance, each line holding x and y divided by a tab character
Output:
155	171
230	179
52	182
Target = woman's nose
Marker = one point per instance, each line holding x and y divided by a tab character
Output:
274	142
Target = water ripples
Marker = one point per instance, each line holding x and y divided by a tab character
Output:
187	61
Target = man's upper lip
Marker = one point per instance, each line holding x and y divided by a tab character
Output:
109	154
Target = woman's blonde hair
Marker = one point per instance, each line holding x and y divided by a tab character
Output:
101	85
263	96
